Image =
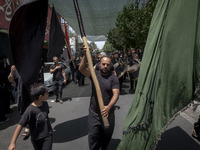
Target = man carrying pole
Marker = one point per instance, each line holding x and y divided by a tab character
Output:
98	136
100	116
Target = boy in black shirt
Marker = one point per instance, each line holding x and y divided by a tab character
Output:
36	116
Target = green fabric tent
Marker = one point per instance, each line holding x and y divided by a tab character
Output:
169	71
99	16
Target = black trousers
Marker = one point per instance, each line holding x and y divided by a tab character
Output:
81	79
197	127
98	136
120	83
2	104
43	144
73	73
58	85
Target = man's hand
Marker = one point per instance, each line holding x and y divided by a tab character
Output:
84	48
65	81
105	111
57	67
114	72
11	146
12	69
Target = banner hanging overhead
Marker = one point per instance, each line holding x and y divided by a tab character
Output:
56	37
27	31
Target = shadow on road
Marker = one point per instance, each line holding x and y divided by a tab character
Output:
52	120
70	130
113	144
67	99
177	139
116	107
14	118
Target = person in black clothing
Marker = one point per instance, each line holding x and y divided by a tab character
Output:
36	116
125	60
73	69
5	88
59	78
132	60
80	76
196	130
2	89
76	71
23	98
98	136
119	67
98	58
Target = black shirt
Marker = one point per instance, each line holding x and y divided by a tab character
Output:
57	75
38	121
107	84
131	61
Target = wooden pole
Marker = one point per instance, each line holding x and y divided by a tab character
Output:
70	54
90	63
68	43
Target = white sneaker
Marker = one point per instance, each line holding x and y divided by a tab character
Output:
53	101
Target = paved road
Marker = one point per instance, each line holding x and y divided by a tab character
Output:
178	134
69	122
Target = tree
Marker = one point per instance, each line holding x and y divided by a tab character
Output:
108	47
132	25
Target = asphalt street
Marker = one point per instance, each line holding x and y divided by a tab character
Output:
69	123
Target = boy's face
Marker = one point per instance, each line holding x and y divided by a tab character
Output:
44	97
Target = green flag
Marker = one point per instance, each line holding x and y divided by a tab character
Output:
170	68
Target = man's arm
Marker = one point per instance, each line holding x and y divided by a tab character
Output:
64	76
83	67
11	75
14	138
53	70
105	111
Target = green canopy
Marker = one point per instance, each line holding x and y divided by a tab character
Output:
170	68
99	16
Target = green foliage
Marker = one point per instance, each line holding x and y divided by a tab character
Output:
132	25
108	48
115	39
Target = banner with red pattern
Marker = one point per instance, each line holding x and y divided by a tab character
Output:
7	9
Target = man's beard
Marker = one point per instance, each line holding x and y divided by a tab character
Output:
104	71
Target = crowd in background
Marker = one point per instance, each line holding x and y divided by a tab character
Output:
8	89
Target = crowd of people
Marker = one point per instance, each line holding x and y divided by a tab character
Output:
120	63
111	72
108	69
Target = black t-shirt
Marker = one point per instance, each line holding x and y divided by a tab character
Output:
38	121
120	68
131	61
57	75
106	83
